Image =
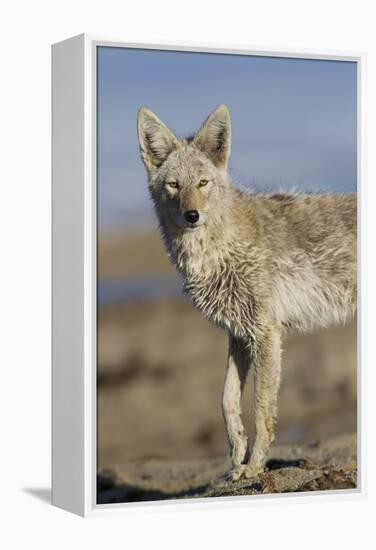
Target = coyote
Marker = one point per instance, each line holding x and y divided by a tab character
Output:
257	265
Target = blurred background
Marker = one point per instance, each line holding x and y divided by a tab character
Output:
160	365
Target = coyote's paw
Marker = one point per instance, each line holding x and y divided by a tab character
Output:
237	473
244	471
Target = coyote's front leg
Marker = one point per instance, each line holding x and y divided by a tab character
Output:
266	359
236	374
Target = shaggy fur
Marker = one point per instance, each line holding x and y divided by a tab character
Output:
255	265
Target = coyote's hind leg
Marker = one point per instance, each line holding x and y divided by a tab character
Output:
236	374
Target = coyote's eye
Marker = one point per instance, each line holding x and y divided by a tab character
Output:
203	183
173	184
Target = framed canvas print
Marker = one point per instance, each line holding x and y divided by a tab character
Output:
207	288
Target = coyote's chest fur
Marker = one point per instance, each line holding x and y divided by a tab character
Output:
224	292
217	279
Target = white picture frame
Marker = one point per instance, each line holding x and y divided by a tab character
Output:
74	229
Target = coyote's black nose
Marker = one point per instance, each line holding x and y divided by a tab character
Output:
191	216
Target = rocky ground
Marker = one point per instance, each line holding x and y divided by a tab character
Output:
326	465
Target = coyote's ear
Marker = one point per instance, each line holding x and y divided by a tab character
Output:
156	140
214	136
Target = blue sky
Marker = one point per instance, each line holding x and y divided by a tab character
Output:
293	121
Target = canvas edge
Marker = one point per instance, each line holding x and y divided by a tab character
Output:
362	419
68	380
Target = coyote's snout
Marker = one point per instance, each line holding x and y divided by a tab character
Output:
255	265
